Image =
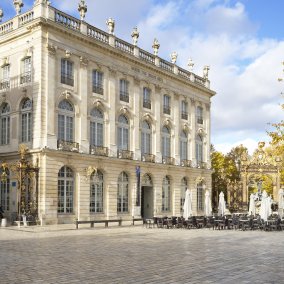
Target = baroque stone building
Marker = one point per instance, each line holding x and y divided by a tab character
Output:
115	131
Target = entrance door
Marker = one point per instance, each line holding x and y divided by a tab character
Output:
147	202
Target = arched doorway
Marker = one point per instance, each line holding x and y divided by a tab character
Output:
147	197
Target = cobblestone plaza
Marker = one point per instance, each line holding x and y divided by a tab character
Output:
62	254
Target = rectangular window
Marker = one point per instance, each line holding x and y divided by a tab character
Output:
67	76
5	80
183	150
5	194
166	104
26	76
184	110
98	82
5	130
147	98
200	198
123	90
199	115
26	127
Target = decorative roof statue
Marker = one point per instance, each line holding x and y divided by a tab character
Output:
82	8
111	24
42	2
135	36
190	64
156	46
18	4
1	15
174	56
206	69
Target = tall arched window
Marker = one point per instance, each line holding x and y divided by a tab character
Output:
26	121
97	192
5	190
5	124
166	194
65	121
123	133
199	150
183	188
65	190
97	127
122	193
166	142
200	201
146	138
183	146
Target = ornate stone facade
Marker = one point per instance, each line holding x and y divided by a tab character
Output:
85	84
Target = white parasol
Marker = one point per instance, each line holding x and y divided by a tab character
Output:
222	204
208	207
187	206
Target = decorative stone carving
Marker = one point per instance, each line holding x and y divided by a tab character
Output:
207	106
67	54
66	94
1	15
206	69
18	4
84	61
82	8
51	49
190	64
90	170
111	24
193	102
135	36
174	56
42	2
186	128
156	46
199	180
5	61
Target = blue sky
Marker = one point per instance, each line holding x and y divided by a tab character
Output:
241	40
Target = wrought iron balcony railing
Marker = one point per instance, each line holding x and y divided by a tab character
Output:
125	154
98	150
147	104
168	160
98	89
148	158
186	163
67	146
123	96
167	110
5	84
184	115
26	78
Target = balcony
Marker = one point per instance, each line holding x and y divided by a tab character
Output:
124	96
69	146
147	104
98	89
168	160
26	78
148	158
125	154
186	163
98	150
67	80
201	165
5	84
167	110
184	115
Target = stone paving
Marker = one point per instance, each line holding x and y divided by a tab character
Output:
61	254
